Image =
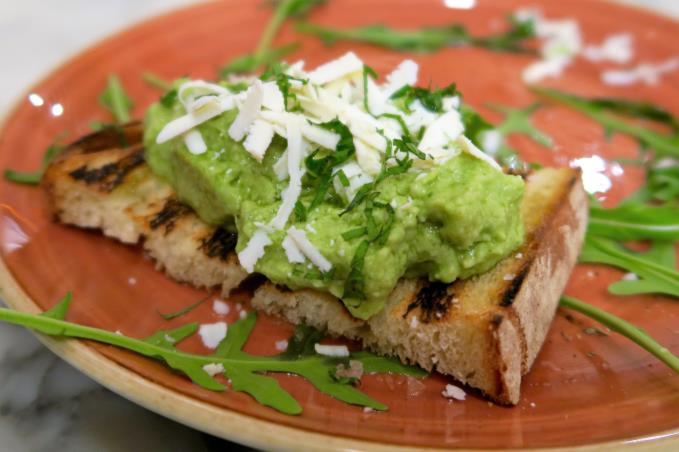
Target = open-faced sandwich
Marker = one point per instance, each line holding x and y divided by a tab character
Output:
369	207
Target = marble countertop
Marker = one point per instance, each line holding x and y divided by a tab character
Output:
44	403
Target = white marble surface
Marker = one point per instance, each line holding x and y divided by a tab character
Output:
44	403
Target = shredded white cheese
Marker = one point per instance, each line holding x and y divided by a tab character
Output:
254	250
292	251
648	73
259	138
616	48
247	112
337	351
453	392
220	307
345	65
404	74
213	369
212	334
194	142
291	193
307	248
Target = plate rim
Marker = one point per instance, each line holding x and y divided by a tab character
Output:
206	417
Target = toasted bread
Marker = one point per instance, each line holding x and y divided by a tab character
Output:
485	331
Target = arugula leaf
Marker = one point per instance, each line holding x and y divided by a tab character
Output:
245	371
115	99
185	310
625	328
518	120
662	144
662	184
155	81
264	55
34	177
250	62
635	221
426	39
654	276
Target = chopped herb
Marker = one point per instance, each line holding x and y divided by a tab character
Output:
367	72
344	180
399	119
354	233
432	100
276	72
155	81
247	372
624	328
300	211
168	99
353	285
427	39
320	169
115	99
183	311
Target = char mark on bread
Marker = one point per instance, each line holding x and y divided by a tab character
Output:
219	244
111	175
433	301
172	211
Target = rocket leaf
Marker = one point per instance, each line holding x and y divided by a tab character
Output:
246	372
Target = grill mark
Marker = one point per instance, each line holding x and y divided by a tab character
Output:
112	174
434	300
111	136
172	211
510	293
219	244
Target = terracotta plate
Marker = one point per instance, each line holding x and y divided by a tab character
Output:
583	389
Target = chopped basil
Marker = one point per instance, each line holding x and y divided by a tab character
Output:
115	99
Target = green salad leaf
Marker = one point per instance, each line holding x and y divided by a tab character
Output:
623	327
518	121
608	115
34	177
246	372
427	39
115	99
655	271
635	221
265	55
184	310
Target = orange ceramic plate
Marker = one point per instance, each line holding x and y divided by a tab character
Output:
583	389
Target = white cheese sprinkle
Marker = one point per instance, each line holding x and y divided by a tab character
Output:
247	112
213	369
194	142
220	307
212	334
345	65
616	48
292	251
308	249
291	193
404	74
453	392
648	73
338	351
258	139
281	345
254	250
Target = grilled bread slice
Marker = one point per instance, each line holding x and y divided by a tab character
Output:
485	331
101	181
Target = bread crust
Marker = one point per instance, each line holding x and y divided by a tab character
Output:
485	331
